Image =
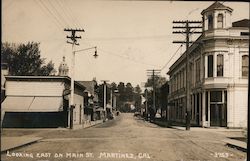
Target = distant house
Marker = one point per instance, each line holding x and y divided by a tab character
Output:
219	63
164	91
41	101
92	111
4	72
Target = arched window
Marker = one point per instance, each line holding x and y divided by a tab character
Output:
245	63
210	22
220	65
220	21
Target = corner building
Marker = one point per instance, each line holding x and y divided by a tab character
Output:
219	63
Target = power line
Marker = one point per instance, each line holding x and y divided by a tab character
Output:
132	38
133	60
172	57
57	13
70	13
52	14
67	12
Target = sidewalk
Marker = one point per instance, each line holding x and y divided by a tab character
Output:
228	133
10	143
241	145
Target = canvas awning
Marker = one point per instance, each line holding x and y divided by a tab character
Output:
32	104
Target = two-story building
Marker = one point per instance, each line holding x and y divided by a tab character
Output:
219	63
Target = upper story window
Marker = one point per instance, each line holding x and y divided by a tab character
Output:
245	64
198	70
210	22
220	21
220	65
210	65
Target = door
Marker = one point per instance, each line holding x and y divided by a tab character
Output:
218	115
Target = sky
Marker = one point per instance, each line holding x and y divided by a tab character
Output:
131	36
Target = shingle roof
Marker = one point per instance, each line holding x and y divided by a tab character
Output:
90	85
217	5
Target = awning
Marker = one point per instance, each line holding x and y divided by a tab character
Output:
17	104
47	104
32	104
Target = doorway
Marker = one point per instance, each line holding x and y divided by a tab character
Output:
218	115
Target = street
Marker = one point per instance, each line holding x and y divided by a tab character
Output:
125	138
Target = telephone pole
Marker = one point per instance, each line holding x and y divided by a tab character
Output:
152	73
104	97
73	41
187	30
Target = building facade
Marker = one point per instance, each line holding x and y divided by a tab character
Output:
219	61
41	101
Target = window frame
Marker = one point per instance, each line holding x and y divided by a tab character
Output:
244	73
220	18
210	72
220	67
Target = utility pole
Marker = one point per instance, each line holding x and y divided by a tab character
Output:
146	94
152	73
73	41
188	26
104	97
111	100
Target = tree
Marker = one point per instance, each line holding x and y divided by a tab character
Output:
121	89
129	92
25	59
47	69
138	89
159	81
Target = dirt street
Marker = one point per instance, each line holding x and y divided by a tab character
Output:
124	139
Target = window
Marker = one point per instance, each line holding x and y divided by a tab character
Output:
220	65
210	65
184	78
216	96
210	22
220	21
245	63
197	72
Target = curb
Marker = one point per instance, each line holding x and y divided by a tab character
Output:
240	145
20	146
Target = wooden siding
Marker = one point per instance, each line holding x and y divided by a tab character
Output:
25	88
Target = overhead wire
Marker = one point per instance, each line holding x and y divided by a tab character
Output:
57	13
171	57
56	20
69	9
128	58
67	13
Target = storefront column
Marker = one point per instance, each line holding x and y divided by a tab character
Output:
203	109
200	109
208	106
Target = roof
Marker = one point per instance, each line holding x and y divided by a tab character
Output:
44	78
217	5
241	23
90	86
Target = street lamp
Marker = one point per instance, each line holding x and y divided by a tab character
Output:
72	106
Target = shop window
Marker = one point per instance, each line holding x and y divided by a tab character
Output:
216	96
210	22
210	65
220	65
245	64
220	21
